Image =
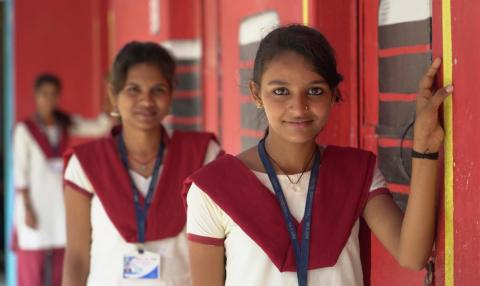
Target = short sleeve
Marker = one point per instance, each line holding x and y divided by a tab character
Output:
205	219
21	156
213	150
76	178
379	184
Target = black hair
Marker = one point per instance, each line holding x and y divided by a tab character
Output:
135	53
47	78
304	41
61	117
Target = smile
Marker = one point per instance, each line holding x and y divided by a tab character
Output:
145	114
299	123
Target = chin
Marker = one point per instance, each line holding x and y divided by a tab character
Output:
299	137
145	125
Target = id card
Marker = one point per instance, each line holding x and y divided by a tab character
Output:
144	265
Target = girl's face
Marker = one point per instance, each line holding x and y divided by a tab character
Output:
296	99
145	99
46	98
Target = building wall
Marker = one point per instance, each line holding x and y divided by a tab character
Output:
458	250
67	38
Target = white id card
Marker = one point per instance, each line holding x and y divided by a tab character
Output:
141	266
56	165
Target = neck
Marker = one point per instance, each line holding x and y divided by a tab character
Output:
141	144
291	156
46	117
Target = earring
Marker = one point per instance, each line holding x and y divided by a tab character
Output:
114	114
259	105
307	107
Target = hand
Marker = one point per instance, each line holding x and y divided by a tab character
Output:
428	134
30	217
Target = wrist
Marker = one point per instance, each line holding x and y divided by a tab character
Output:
422	145
425	155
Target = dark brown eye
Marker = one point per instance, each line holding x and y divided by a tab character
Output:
315	91
133	90
281	91
159	91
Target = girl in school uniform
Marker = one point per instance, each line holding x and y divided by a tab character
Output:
38	143
125	217
289	211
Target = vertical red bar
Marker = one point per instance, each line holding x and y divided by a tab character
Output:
210	64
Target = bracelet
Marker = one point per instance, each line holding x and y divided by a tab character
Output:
429	156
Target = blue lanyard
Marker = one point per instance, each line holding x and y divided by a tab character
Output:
302	251
141	212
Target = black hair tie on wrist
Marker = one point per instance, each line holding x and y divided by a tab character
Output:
429	156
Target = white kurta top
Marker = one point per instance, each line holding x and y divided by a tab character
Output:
42	177
108	247
247	263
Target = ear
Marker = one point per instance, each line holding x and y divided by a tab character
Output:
111	96
255	92
335	96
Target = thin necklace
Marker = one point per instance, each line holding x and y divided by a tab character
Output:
288	177
143	164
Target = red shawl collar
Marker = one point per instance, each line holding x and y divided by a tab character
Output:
42	140
166	216
344	180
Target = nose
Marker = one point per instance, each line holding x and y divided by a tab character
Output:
147	99
299	104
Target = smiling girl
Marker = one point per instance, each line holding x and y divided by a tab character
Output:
287	211
125	219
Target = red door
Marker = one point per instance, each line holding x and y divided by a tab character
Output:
241	25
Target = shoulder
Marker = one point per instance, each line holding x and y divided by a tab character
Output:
225	168
251	159
90	150
20	126
75	177
92	145
22	130
193	135
348	152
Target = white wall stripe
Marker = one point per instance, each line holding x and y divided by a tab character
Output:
400	11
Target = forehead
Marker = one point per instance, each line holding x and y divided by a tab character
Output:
48	87
145	72
290	67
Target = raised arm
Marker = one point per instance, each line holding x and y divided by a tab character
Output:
409	238
95	127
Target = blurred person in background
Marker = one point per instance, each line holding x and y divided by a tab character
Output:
39	216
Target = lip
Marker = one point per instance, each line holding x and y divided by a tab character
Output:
145	114
302	123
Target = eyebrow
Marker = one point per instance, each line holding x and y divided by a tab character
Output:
281	82
157	84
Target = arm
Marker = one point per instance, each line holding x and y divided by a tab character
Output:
77	254
91	127
206	234
409	238
21	165
30	215
207	263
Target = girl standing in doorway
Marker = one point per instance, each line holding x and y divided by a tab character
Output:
287	211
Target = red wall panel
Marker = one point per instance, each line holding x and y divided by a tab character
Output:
231	16
66	38
342	128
